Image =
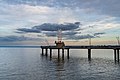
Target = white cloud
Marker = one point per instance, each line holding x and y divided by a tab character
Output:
36	14
23	10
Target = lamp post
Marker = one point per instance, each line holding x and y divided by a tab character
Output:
90	36
118	40
89	41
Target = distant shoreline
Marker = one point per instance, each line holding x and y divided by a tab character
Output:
20	46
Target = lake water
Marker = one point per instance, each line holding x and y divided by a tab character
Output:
28	64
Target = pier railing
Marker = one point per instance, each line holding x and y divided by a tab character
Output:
86	47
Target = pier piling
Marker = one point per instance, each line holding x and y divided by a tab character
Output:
42	51
89	54
50	53
68	53
58	54
46	52
118	54
63	54
115	55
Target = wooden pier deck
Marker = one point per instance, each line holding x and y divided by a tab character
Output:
113	47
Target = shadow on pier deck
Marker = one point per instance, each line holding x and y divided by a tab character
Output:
114	47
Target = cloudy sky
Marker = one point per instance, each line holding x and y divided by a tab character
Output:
32	21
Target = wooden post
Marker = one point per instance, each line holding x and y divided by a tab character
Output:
118	54
58	54
46	52
68	53
50	53
89	54
63	54
115	55
42	51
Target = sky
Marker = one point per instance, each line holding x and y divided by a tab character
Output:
36	22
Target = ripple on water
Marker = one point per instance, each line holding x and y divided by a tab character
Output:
27	64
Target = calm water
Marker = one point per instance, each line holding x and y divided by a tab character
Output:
28	64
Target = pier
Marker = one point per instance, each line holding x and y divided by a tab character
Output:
115	49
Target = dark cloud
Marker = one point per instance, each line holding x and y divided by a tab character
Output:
71	33
56	27
78	37
50	30
50	27
15	38
50	33
98	34
64	33
25	30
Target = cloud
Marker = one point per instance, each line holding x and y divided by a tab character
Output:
105	7
64	33
50	33
15	38
85	36
56	27
51	30
98	34
25	30
69	31
51	27
97	6
79	37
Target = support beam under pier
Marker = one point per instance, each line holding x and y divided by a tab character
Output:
115	55
63	54
89	54
50	53
118	54
42	51
58	54
46	52
68	53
